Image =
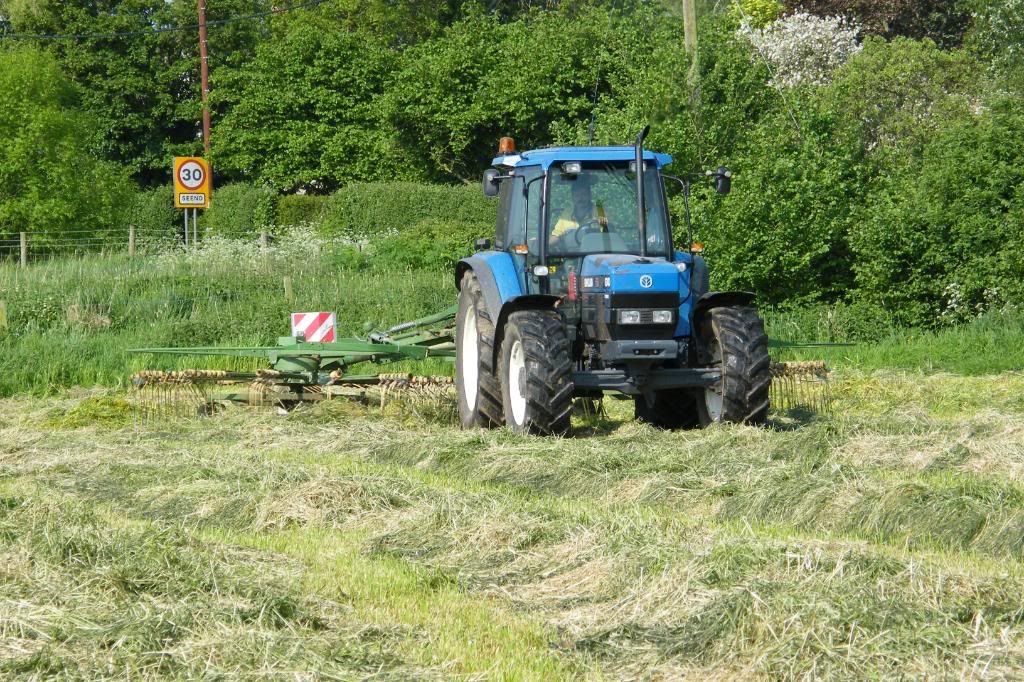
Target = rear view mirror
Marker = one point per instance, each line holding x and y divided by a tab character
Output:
491	182
723	180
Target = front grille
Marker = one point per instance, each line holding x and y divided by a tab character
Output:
661	301
646	317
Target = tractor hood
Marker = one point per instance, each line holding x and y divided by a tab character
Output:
629	274
644	282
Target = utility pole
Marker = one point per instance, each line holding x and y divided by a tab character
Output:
690	41
204	71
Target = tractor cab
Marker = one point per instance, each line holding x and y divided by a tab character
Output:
570	218
560	205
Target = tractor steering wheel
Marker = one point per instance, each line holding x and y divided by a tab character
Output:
588	227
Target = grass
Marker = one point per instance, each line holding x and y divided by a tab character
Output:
884	540
987	345
343	541
70	322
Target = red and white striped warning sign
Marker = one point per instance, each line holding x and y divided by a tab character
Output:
316	327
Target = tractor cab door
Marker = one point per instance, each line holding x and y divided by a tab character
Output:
519	221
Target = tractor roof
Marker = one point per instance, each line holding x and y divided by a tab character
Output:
546	157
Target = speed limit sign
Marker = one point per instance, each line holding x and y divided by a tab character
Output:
192	186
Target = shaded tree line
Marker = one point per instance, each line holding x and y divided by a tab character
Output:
890	178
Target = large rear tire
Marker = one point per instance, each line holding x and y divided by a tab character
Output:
674	408
733	339
476	382
536	373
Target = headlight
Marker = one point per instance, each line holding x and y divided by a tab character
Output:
629	317
662	317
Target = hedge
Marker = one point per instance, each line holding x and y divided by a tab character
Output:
300	209
239	210
372	210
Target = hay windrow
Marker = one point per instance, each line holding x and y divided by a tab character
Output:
874	542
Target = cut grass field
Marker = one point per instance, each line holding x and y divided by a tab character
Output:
339	541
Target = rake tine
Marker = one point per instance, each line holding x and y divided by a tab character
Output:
801	384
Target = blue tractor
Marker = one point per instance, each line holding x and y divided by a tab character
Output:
582	292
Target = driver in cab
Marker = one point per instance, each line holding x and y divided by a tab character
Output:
580	213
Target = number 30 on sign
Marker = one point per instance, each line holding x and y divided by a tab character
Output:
192	185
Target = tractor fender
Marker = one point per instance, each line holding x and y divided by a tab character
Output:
718	299
499	283
496	273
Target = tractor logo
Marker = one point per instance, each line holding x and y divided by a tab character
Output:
646	281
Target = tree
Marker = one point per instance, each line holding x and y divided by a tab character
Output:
944	21
533	78
143	87
50	183
306	113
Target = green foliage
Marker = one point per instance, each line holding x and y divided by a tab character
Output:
142	90
940	239
999	32
456	95
50	182
432	243
307	114
239	210
373	210
153	214
932	85
782	231
758	13
300	209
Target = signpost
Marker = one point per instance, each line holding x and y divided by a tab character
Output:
193	186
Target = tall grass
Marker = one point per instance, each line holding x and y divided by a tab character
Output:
991	343
70	322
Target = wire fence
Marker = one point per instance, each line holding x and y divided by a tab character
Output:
27	247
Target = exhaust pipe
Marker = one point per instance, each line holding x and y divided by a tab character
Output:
641	203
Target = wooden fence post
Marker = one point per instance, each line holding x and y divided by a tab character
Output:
131	241
264	239
289	295
24	249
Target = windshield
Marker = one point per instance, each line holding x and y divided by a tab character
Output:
595	211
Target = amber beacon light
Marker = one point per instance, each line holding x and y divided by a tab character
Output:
506	146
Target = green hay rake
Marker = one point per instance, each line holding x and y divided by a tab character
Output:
301	371
304	372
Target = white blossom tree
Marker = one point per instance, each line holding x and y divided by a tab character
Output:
804	49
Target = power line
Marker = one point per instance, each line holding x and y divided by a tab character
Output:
158	30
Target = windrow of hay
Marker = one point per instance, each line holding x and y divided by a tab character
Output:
729	552
149	601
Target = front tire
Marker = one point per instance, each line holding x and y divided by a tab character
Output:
536	373
733	339
477	385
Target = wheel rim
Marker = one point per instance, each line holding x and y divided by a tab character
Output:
713	399
470	358
516	370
